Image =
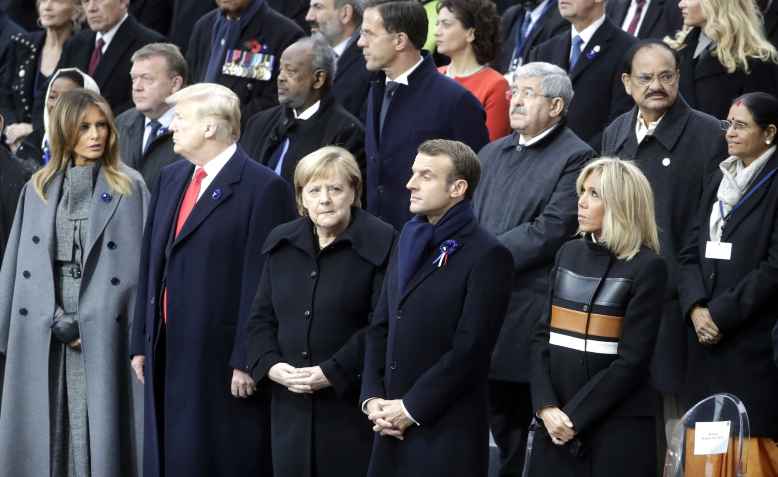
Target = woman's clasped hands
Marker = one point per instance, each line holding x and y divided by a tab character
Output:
299	380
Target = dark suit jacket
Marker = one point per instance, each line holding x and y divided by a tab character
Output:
21	69
131	125
211	272
599	93
708	87
352	80
662	18
430	346
771	23
330	126
740	294
271	30
432	106
155	14
548	26
113	72
12	179
7	29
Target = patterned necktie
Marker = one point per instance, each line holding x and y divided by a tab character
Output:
633	24
575	51
97	55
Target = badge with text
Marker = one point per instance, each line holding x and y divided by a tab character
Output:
711	438
249	65
718	250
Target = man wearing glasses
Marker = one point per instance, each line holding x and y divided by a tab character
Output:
527	199
675	146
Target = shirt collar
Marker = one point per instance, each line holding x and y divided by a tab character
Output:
108	36
163	120
643	129
528	142
215	165
587	32
403	78
308	113
341	47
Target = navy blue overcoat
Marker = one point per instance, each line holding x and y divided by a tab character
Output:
193	425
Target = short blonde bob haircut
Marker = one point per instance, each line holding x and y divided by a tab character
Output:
327	162
64	133
212	101
735	27
629	221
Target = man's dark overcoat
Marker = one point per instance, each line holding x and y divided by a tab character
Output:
686	146
312	309
430	346
268	31
352	80
741	296
211	272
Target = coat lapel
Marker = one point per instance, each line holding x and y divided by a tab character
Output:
745	209
596	47
350	55
53	192
104	204
652	16
617	10
136	131
120	43
377	96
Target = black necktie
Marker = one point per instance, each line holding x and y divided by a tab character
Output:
391	89
155	125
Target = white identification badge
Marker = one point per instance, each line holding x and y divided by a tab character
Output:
719	250
711	438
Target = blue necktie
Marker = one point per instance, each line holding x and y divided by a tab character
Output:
575	51
155	127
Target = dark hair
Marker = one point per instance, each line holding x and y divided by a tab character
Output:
405	16
763	108
482	17
629	57
465	162
71	75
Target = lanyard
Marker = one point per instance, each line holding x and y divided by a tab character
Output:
759	184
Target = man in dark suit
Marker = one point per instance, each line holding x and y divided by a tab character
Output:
238	46
527	199
339	22
145	140
592	55
424	384
104	51
676	147
308	117
525	26
200	268
409	102
645	18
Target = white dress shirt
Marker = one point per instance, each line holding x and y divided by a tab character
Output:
523	141
643	129
588	32
107	37
403	78
214	166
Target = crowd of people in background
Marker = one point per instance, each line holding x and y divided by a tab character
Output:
313	238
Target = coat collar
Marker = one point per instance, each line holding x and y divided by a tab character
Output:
360	235
669	130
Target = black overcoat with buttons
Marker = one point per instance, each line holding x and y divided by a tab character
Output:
105	308
312	309
431	346
17	106
741	296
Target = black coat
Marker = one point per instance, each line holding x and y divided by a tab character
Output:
663	17
330	126
771	23
599	93
430	346
7	29
211	272
23	62
547	26
113	72
686	147
352	80
707	86
186	13
12	179
527	199
154	14
590	358
131	125
740	294
271	30
335	290
21	12
295	10
432	106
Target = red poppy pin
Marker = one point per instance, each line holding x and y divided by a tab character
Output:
254	46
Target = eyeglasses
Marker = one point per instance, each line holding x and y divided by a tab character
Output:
666	78
726	125
525	93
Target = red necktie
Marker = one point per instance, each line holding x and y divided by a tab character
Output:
633	25
187	204
97	55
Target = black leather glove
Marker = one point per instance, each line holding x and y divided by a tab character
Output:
65	327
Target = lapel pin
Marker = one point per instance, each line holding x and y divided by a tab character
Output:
666	161
106	197
592	54
215	195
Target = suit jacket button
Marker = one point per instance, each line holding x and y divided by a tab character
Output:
393	365
23	311
313	274
26	274
112	245
115	281
304	354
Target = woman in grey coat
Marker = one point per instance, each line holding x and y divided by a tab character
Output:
67	288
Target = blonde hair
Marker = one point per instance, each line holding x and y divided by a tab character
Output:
64	132
212	100
326	162
629	221
735	27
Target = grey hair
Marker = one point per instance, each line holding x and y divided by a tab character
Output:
322	56
357	5
554	82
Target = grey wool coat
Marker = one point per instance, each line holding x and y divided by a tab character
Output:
27	304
